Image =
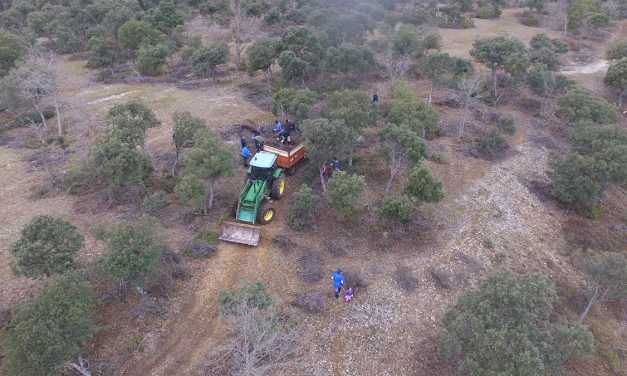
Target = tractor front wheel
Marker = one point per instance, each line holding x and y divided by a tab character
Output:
278	187
266	214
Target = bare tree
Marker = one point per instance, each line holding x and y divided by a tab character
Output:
81	366
263	343
608	274
30	83
466	91
391	66
245	28
562	13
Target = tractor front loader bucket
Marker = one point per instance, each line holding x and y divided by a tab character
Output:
240	233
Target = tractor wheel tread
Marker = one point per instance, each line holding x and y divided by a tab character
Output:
277	191
263	210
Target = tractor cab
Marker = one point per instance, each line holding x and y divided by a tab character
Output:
262	167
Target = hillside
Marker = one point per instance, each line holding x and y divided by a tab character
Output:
497	209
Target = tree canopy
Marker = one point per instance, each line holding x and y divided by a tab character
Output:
294	103
579	104
133	253
50	330
261	55
404	108
207	161
494	53
326	139
503	327
11	49
206	59
47	246
616	78
343	192
422	186
400	145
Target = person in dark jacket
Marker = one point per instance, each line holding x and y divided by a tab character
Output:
335	166
338	282
257	139
242	141
286	137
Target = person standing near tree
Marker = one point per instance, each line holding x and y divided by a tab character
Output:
335	166
325	171
338	282
245	155
375	99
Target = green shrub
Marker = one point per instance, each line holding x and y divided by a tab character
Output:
155	202
422	186
436	157
47	246
272	16
488	243
248	295
612	359
27	118
304	205
166	183
528	18
541	80
133	253
396	208
343	192
151	58
205	60
208	236
491	143
560	46
98	231
579	104
575	181
506	124
504	327
51	329
618	51
487	13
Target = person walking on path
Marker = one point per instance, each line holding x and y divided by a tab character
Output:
245	155
325	171
348	294
338	282
243	141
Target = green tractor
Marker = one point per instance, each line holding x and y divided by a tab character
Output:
264	181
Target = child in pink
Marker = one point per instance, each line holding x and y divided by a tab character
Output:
348	295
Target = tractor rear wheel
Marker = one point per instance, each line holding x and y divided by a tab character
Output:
266	214
278	187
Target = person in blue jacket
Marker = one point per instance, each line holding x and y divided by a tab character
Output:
245	155
338	282
278	127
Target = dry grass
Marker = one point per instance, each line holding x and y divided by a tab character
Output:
459	42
